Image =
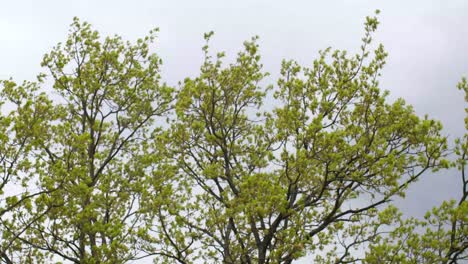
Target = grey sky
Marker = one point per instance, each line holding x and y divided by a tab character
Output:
427	41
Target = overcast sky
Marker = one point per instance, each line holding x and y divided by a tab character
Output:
427	41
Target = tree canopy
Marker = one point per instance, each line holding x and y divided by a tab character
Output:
111	165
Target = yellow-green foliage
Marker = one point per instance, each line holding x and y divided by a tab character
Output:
117	166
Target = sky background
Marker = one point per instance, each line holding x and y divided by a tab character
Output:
427	42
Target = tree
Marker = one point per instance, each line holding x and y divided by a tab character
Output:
221	170
268	187
87	153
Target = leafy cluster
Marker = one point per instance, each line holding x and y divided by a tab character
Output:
111	165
